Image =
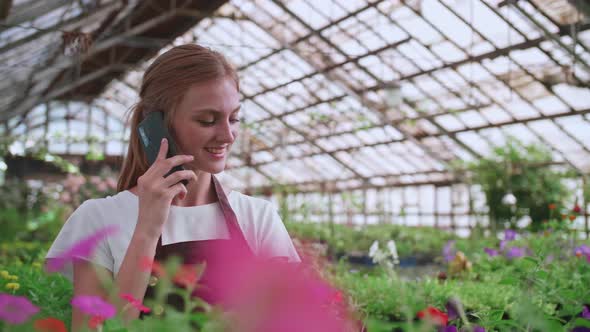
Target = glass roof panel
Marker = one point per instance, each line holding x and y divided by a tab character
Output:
307	92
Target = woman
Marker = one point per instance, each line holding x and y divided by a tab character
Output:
198	92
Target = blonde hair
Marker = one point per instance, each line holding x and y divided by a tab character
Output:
163	86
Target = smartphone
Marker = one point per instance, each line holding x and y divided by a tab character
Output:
151	131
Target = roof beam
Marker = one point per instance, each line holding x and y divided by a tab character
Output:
65	62
31	10
339	185
341	81
70	24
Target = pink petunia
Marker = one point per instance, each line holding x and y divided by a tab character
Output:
16	309
94	306
82	249
277	296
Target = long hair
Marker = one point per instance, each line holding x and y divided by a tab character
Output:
163	86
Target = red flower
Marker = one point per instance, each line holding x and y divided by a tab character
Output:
149	265
50	324
434	316
577	209
337	298
135	303
95	321
552	206
187	276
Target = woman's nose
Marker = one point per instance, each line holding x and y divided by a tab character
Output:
225	133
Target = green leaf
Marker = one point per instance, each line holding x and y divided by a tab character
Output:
541	274
582	322
509	281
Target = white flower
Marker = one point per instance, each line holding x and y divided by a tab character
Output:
393	251
374	248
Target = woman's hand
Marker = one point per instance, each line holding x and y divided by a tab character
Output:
156	192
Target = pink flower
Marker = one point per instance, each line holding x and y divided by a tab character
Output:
95	180
135	303
102	186
94	306
65	197
74	182
276	296
16	309
82	249
111	183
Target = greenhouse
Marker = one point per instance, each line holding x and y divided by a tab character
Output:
355	165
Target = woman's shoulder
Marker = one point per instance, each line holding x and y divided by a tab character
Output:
249	202
105	205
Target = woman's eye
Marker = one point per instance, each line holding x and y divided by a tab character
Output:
210	123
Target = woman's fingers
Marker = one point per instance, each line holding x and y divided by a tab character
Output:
177	190
163	166
178	176
163	150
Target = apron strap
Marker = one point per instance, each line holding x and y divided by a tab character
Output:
235	232
231	220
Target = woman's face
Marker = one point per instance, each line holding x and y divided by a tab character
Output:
206	123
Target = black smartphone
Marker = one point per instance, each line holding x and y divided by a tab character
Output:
151	131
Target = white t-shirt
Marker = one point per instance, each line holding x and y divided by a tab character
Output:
260	223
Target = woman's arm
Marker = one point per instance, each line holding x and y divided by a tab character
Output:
86	282
155	194
129	280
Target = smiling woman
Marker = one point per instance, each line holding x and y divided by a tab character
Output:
156	215
207	131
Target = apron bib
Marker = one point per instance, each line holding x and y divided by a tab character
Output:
212	252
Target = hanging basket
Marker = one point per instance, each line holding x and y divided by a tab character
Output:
75	43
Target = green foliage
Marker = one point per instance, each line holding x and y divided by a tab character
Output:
522	170
542	292
410	241
28	214
51	293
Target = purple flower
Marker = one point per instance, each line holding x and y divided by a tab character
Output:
582	250
450	328
16	309
515	252
94	306
453	307
503	244
491	252
581	329
509	235
585	312
82	249
449	250
549	259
